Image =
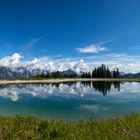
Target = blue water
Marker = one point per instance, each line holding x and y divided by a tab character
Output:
70	101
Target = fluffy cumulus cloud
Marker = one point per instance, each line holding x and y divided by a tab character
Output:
43	63
93	48
126	63
11	61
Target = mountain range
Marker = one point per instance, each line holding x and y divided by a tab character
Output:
13	67
26	72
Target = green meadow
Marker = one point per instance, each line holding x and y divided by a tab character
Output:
30	128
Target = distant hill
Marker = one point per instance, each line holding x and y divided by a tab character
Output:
131	75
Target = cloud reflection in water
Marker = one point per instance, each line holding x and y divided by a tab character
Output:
70	89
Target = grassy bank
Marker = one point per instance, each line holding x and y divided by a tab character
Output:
20	127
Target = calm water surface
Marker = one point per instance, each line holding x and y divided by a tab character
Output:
72	101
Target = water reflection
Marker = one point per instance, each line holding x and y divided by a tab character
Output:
70	100
65	89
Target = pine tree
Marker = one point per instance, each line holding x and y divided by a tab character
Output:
101	72
116	73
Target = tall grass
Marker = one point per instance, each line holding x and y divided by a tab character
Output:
27	128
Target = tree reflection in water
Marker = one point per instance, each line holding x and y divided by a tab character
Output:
13	91
102	86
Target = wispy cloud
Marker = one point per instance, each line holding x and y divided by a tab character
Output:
135	47
32	42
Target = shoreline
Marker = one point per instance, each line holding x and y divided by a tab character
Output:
16	81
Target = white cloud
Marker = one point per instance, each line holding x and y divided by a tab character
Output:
93	48
93	107
43	63
126	63
11	61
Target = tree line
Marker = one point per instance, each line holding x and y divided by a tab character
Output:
56	74
100	72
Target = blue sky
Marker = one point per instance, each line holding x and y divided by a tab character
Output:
93	30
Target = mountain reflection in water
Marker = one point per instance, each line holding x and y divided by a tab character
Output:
70	100
43	90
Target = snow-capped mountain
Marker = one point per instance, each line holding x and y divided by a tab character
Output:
14	67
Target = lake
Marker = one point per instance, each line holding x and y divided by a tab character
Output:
71	100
